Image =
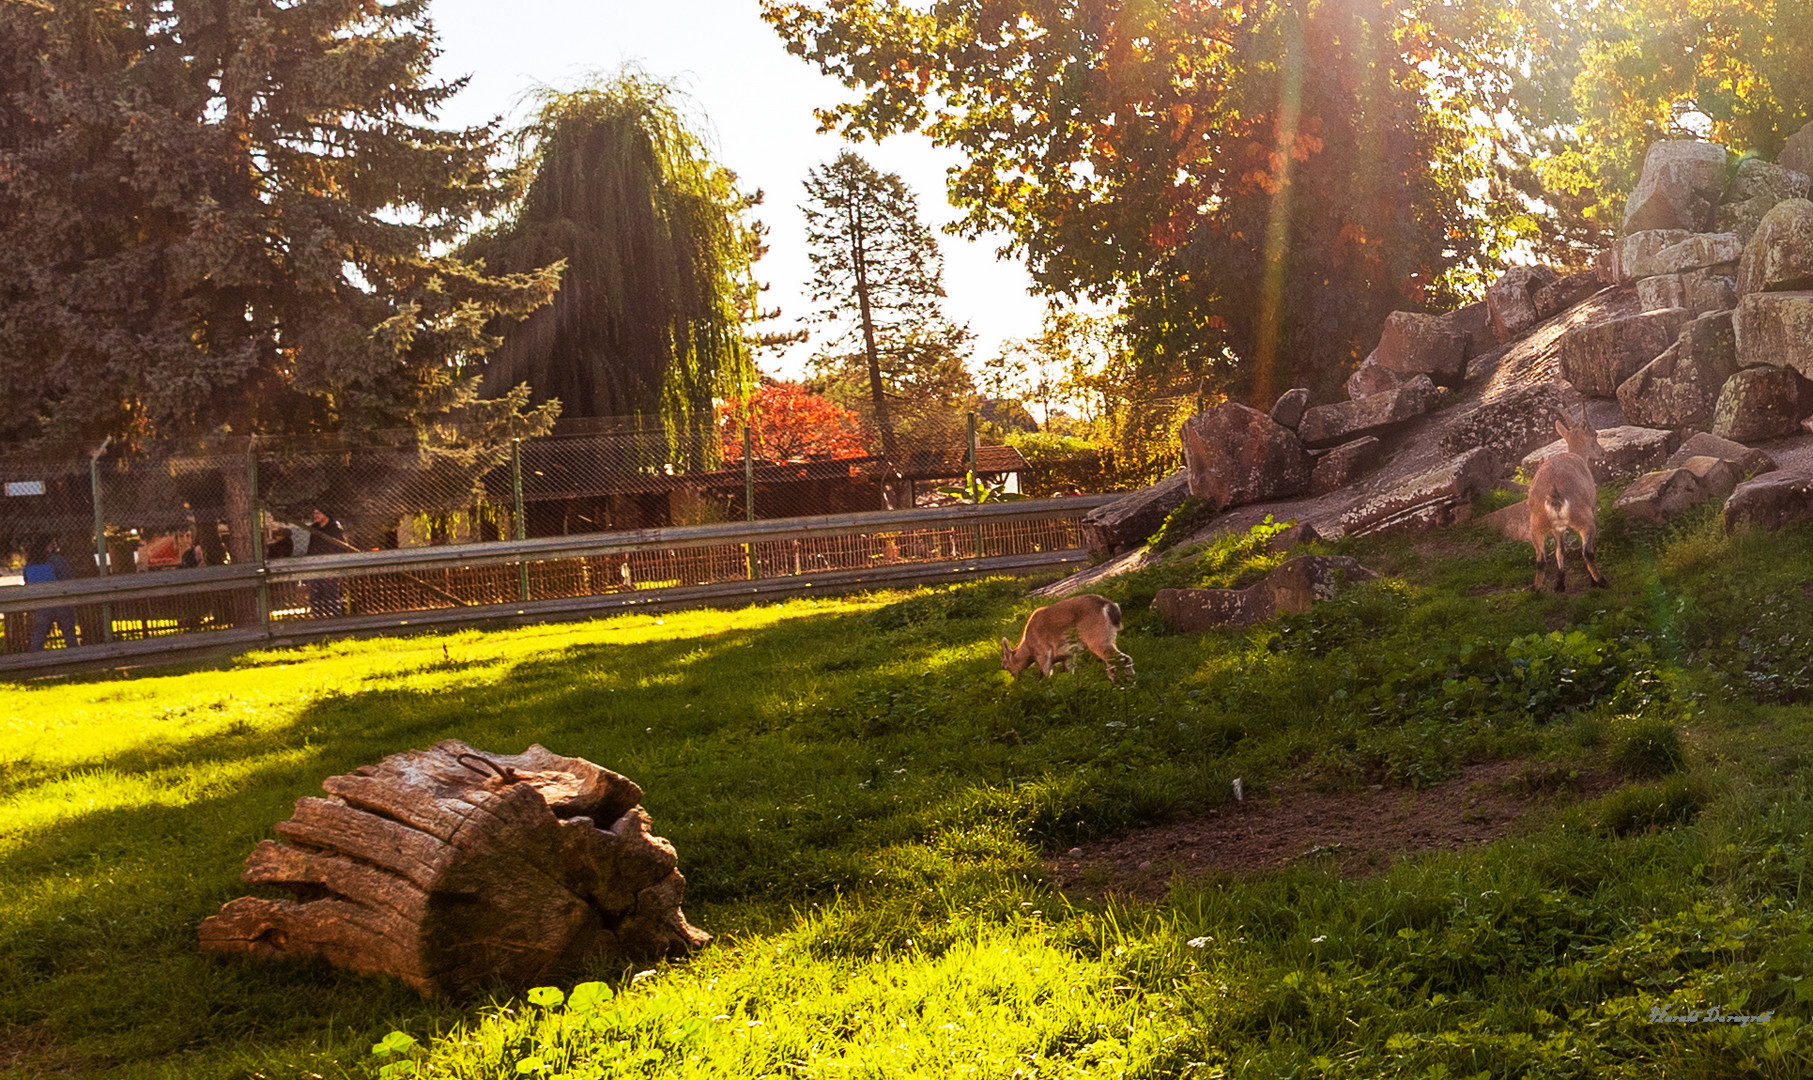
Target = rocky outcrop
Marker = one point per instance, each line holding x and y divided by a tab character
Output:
1747	460
1291	589
1330	425
1512	299
1413	344
1779	258
1442	496
1775	329
1127	522
1680	187
1514	423
1287	411
1512	522
1628	451
1344	465
1771	501
1237	455
1681	387
1758	403
1597	358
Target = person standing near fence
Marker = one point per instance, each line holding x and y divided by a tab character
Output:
44	564
326	537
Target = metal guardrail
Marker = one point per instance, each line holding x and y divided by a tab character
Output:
171	613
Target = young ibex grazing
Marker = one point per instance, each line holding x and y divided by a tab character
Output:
1564	496
1096	620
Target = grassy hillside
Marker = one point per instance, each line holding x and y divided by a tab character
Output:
860	798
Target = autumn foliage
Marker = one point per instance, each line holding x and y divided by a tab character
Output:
791	424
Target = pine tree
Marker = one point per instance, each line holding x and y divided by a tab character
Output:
223	218
878	275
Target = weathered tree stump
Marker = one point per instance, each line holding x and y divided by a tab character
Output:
449	867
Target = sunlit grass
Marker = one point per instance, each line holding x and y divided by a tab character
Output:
860	797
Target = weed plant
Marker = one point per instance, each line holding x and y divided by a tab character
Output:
861	799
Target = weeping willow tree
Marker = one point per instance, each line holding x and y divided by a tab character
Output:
658	249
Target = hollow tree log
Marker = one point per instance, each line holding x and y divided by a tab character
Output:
449	867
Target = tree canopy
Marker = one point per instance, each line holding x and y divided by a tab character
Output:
224	218
658	252
1260	183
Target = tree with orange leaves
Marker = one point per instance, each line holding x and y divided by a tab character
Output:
790	423
1261	181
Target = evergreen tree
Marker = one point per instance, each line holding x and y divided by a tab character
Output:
223	218
658	251
877	275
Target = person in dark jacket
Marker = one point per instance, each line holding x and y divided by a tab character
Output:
326	538
44	564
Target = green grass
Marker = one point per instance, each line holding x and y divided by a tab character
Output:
859	797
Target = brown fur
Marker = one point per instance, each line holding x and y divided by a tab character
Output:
1563	496
1096	620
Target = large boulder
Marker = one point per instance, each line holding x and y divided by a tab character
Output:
1771	501
1633	255
1129	521
1512	299
1708	289
1758	187
1694	251
1747	461
1629	450
1596	358
1512	522
1237	455
1681	387
1291	589
1659	496
1288	409
1775	329
1757	178
1512	424
1797	153
1475	321
1330	425
1758	403
1413	344
1779	258
1680	187
1564	292
1442	496
1372	377
1344	465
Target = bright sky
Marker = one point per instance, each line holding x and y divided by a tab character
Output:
759	101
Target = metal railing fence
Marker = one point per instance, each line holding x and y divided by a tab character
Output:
267	600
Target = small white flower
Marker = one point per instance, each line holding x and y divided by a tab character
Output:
1199	942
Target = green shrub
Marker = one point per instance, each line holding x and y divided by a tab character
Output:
1191	514
1649	748
1675	801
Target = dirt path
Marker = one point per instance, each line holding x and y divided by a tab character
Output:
1353	833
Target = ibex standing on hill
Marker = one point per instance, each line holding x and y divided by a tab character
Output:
1564	496
1096	620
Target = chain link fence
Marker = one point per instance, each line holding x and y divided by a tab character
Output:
262	503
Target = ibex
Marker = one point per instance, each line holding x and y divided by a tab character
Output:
1564	496
1096	620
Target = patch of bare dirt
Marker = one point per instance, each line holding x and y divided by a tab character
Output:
1352	833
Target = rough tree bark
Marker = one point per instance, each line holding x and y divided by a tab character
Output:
449	867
